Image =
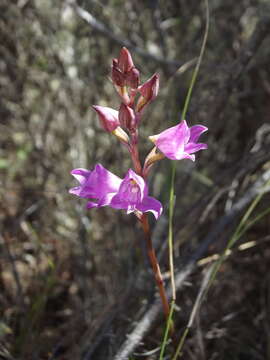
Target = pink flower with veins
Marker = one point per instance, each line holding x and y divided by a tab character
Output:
130	193
180	141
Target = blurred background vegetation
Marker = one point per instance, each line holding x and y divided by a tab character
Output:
74	282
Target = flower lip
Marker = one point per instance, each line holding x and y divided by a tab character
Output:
133	196
133	188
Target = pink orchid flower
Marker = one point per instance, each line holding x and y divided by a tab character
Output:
130	194
180	141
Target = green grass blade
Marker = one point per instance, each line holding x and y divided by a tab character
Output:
173	171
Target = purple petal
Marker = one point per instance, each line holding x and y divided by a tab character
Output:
131	175
76	190
95	184
150	204
105	201
103	181
91	205
171	142
118	203
131	191
180	155
188	156
192	147
195	132
80	174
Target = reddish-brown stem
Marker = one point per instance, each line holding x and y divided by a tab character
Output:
135	153
154	264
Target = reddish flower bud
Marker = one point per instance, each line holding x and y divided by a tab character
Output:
108	117
118	77
125	62
127	117
149	91
133	78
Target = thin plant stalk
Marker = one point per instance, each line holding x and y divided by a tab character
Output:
134	152
166	334
184	112
173	171
146	228
155	266
170	237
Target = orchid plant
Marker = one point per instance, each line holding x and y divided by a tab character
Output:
103	188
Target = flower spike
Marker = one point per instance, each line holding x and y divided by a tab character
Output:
102	188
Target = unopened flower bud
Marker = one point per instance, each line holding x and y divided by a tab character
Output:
108	117
118	77
127	117
125	62
149	91
133	78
